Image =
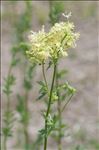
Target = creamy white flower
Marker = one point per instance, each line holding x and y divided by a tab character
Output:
53	44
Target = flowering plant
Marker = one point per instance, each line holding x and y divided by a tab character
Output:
51	46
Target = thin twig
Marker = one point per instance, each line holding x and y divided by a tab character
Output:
66	103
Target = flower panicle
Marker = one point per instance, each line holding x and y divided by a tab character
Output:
53	44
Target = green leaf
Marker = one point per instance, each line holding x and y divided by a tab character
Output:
41	96
54	96
65	90
51	124
43	90
9	82
41	83
71	90
8	120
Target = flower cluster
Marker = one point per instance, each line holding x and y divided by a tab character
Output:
53	44
39	51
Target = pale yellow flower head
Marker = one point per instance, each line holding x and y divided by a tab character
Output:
60	38
53	44
38	51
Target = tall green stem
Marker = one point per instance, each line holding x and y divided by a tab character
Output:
49	106
54	20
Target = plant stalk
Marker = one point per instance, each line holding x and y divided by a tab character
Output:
49	105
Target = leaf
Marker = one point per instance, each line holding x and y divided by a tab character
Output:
54	96
66	90
43	133
50	63
51	122
9	82
41	96
41	83
43	89
8	119
71	90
